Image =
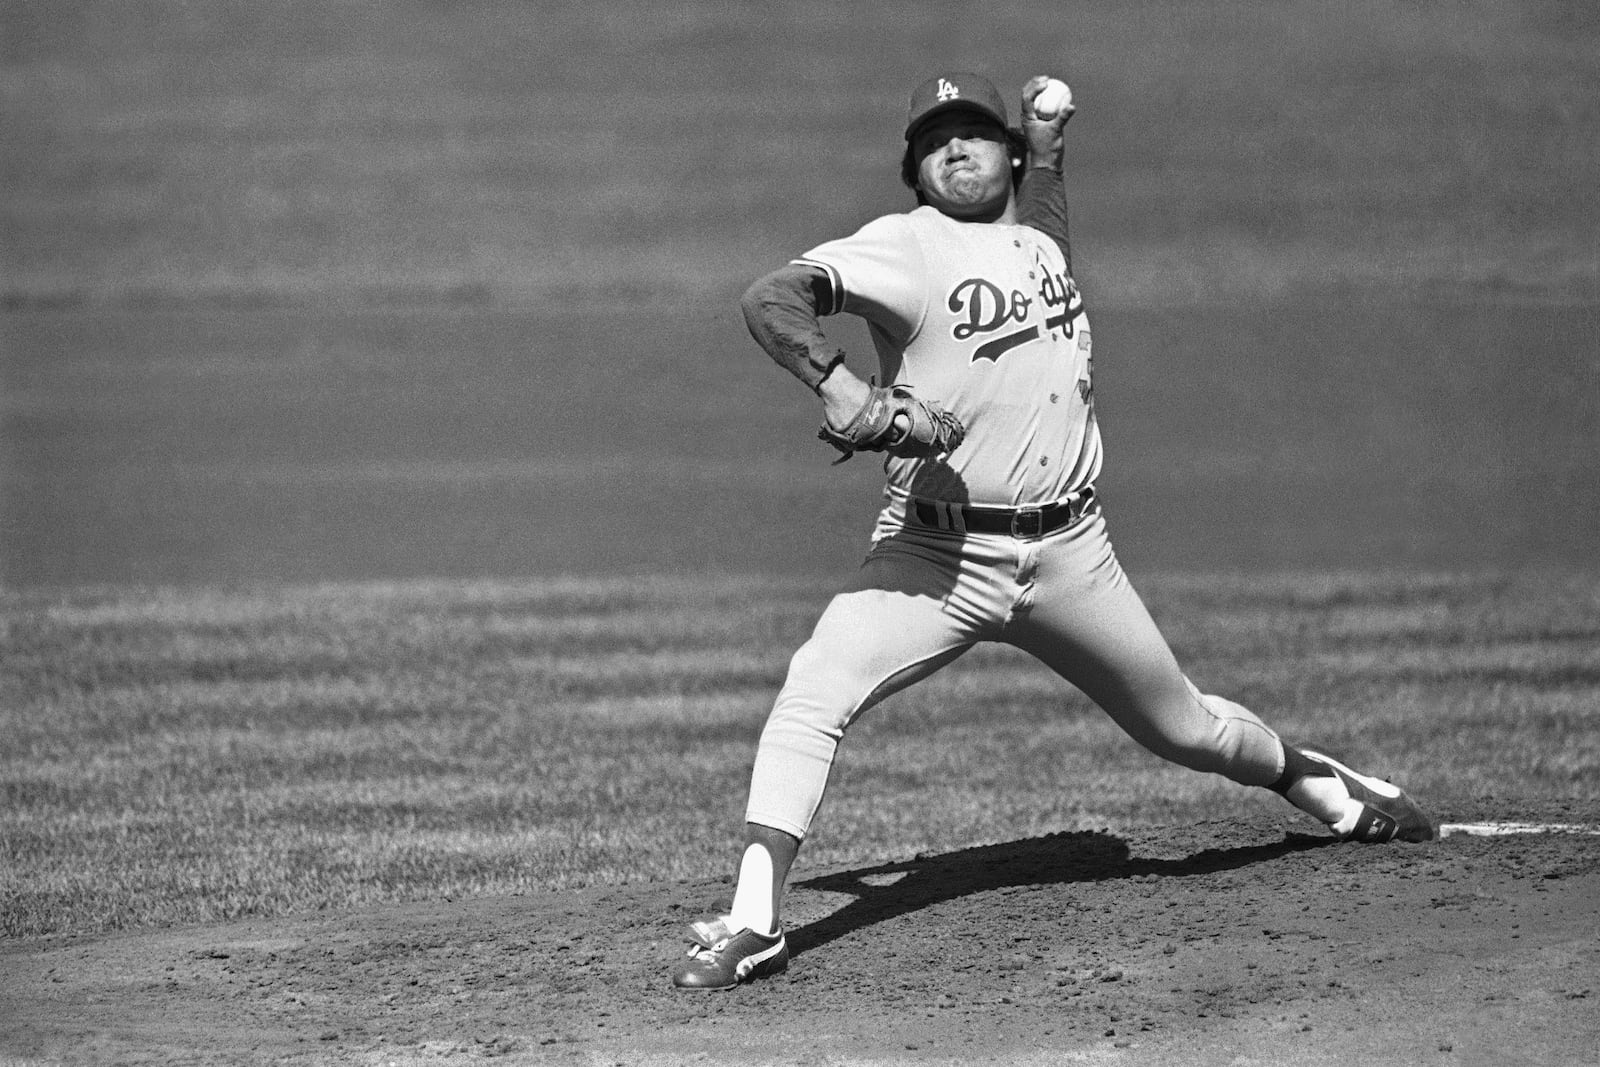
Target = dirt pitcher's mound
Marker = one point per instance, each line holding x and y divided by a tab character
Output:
1204	945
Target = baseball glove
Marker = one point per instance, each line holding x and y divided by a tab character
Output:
926	430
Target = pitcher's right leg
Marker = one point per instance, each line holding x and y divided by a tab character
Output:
868	645
892	630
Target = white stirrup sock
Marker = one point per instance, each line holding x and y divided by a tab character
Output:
1326	798
752	897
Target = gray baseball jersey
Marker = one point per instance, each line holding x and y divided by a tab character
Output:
986	320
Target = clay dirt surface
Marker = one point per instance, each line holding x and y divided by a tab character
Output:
1206	944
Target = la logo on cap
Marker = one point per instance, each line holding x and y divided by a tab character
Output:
948	92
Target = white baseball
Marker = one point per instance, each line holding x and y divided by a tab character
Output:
1053	99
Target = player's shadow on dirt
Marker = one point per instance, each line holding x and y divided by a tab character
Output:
1084	856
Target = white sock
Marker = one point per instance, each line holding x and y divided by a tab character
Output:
752	897
1323	796
1347	821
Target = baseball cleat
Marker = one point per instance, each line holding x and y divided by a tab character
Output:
721	959
1388	814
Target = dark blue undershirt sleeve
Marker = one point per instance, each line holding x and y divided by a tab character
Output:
1042	204
781	310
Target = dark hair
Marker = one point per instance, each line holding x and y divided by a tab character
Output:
1016	144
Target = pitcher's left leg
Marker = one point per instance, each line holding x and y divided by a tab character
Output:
1089	625
1086	622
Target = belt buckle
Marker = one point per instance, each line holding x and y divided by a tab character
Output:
1025	517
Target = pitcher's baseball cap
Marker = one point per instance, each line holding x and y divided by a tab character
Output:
947	92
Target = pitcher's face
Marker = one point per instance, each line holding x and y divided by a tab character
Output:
963	165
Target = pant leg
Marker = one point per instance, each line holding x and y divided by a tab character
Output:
899	622
1084	620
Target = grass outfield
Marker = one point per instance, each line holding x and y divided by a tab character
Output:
538	154
175	757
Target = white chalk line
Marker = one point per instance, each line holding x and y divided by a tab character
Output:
1502	829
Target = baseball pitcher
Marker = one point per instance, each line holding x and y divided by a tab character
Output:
983	411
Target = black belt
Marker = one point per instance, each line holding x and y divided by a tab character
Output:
1025	523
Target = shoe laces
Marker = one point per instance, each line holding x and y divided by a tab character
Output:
708	954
